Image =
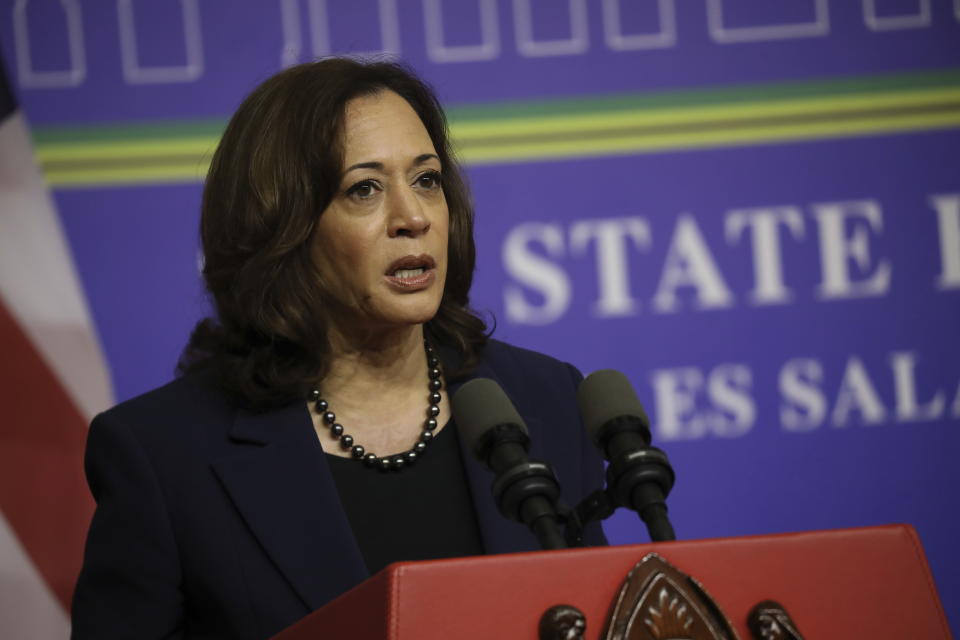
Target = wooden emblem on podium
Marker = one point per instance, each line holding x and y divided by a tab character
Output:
658	602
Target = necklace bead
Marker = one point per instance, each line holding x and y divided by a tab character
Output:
398	461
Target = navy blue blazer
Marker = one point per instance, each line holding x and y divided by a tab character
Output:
213	522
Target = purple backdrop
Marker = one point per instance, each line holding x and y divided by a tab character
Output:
800	379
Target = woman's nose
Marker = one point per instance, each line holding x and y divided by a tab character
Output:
407	214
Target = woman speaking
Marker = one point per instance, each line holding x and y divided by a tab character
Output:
308	441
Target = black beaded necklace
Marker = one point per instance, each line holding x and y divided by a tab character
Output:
397	461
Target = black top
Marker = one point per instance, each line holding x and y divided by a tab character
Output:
423	512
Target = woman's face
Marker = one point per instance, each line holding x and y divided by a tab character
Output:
381	244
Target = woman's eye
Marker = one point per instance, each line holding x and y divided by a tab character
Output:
429	180
362	190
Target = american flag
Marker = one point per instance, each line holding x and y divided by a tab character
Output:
53	379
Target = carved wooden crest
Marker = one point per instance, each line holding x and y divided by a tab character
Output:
659	602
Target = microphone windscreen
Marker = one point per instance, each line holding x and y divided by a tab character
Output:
481	405
604	395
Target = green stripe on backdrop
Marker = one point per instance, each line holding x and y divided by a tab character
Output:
598	125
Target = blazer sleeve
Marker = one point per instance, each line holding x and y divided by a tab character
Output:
592	470
129	586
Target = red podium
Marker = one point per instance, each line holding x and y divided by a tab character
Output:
855	583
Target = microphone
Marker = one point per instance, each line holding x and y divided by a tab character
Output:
524	490
639	476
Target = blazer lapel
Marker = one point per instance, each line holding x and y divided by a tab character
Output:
499	535
280	482
278	478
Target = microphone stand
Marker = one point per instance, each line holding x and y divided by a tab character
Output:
529	491
524	490
639	479
642	479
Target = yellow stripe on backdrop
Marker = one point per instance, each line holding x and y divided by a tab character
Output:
715	115
554	130
125	176
707	138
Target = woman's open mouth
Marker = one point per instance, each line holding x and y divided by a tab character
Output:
412	273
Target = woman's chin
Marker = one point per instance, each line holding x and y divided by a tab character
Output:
408	314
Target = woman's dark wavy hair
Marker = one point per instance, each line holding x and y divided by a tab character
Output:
277	167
